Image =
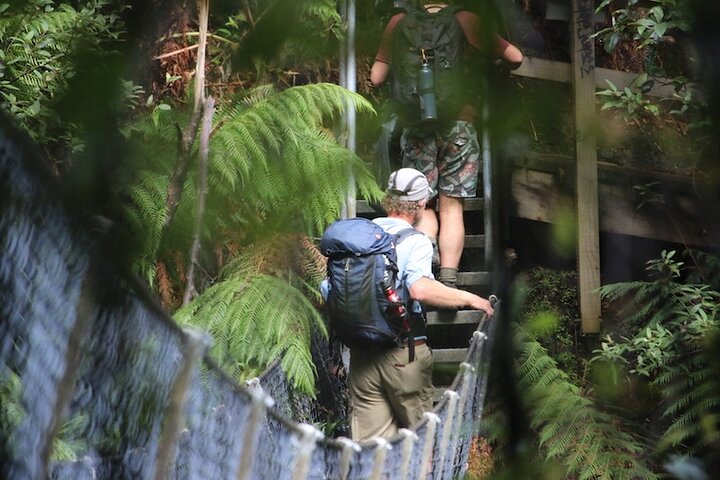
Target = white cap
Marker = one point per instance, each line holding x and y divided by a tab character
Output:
408	184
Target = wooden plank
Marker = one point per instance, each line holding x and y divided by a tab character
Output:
562	72
588	231
449	355
683	217
454	317
537	196
544	70
564	165
475	204
465	279
474	241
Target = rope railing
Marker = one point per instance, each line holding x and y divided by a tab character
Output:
96	381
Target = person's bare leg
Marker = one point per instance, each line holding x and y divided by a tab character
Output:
428	223
452	236
429	226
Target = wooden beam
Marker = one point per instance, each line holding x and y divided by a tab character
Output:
459	317
680	215
588	231
449	355
562	72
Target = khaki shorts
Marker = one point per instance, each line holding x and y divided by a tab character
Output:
449	157
386	392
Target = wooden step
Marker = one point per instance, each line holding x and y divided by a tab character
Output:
454	317
449	355
471	279
474	241
474	204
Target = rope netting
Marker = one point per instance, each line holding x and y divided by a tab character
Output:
97	382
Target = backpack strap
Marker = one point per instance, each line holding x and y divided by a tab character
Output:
399	238
406	233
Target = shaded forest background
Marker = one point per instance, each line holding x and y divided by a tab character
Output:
213	178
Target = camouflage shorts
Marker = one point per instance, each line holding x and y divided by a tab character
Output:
449	157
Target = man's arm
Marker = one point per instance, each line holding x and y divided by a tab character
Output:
381	67
379	73
513	56
432	292
502	49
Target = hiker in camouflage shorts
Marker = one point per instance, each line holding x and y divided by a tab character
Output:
449	155
449	158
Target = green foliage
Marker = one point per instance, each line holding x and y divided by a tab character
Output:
647	25
674	347
276	177
550	307
261	311
12	413
630	100
272	165
310	29
571	430
652	26
37	40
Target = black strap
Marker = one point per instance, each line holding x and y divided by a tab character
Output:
399	237
406	233
410	338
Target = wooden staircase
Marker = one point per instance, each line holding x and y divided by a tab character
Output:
449	331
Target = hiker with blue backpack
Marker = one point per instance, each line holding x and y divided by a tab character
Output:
430	50
379	276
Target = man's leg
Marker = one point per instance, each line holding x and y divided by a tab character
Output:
370	412
458	168
452	237
429	223
409	385
429	226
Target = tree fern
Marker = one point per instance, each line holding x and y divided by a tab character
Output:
676	349
692	390
570	429
254	321
261	311
260	175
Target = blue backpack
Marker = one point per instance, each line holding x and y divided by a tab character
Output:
362	263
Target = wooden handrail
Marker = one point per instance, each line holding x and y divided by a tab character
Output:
555	71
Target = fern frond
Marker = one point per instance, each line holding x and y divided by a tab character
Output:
693	404
256	320
570	429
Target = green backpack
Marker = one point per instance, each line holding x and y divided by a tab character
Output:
440	36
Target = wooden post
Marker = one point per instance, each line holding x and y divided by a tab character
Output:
588	240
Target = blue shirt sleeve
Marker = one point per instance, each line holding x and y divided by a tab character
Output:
415	254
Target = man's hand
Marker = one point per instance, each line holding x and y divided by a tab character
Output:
480	303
